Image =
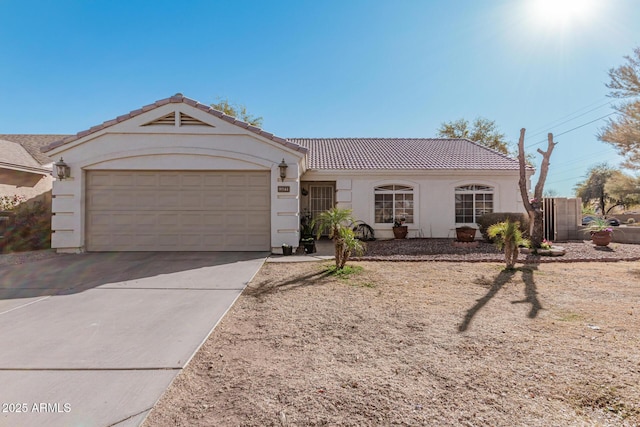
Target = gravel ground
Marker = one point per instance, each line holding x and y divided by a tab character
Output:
433	250
443	250
420	344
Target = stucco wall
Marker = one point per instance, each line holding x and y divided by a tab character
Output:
434	202
130	146
28	185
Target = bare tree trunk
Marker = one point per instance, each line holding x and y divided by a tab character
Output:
345	256
534	206
602	202
508	249
339	249
514	255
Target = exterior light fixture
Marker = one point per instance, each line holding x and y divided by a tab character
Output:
283	169
63	169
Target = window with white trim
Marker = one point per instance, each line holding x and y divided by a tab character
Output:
473	201
393	201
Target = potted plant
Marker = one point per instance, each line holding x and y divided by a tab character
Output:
465	234
287	249
399	230
309	244
601	231
306	237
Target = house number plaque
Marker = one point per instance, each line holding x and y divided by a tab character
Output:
284	189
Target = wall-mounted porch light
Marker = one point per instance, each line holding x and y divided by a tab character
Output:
63	169
283	169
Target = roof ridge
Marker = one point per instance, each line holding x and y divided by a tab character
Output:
175	99
413	138
403	154
32	134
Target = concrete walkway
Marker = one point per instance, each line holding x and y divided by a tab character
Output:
324	252
95	339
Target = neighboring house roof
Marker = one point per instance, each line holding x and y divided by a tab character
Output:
14	156
178	98
402	153
33	145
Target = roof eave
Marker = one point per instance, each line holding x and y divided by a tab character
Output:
26	169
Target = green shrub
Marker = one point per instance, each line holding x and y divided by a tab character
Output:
487	220
631	221
31	228
345	271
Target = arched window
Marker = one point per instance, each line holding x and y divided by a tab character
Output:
473	201
393	201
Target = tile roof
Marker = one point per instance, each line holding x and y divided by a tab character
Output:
33	144
402	153
178	98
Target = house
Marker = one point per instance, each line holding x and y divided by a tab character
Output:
177	175
24	169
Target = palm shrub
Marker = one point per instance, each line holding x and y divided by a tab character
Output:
487	220
337	221
507	235
350	245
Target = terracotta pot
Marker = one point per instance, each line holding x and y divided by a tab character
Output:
465	234
601	238
400	232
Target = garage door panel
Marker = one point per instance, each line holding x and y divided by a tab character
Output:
124	180
213	201
99	180
213	181
255	180
167	181
236	181
149	180
190	240
190	221
238	220
213	219
189	200
236	201
258	222
190	211
192	181
100	199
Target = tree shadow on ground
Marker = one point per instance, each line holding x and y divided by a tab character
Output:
67	274
269	287
504	277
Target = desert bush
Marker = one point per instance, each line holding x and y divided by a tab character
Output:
31	228
487	220
631	221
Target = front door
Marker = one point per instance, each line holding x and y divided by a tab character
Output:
321	199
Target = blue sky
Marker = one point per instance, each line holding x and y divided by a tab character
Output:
326	68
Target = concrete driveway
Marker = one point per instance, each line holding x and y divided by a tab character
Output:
95	339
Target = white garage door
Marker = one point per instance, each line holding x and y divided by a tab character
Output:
178	211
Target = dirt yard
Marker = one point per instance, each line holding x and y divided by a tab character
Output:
429	343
